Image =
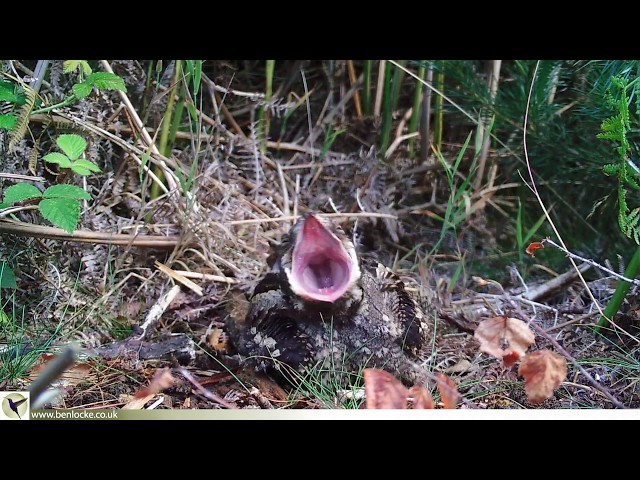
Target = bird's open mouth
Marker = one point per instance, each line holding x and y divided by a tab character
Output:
322	269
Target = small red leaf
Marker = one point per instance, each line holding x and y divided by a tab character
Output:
533	246
510	358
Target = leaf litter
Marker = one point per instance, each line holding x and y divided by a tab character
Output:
100	294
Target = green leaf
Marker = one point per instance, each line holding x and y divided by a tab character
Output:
66	191
70	66
7	92
62	212
4	205
19	192
81	90
81	170
86	164
7	277
4	318
106	81
71	144
8	122
58	158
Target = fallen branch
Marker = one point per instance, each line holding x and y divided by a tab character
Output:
541	291
204	392
158	309
84	236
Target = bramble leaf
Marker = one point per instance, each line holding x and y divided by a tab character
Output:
106	81
81	90
72	145
19	192
62	212
59	158
8	122
66	191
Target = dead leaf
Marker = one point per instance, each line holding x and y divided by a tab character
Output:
383	390
543	372
448	390
462	366
78	372
160	381
531	249
138	403
422	399
510	359
501	336
218	340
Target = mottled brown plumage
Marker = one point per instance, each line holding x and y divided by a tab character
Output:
320	308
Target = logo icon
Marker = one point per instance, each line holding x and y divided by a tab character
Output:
14	405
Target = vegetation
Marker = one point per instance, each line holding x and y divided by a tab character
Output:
185	172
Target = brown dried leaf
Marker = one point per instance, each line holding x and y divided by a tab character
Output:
160	381
462	366
448	390
422	399
383	390
543	372
78	372
218	340
501	336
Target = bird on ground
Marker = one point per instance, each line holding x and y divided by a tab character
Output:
323	309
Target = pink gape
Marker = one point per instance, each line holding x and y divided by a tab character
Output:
322	269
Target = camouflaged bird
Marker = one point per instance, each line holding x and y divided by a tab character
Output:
319	307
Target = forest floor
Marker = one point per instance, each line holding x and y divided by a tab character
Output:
212	241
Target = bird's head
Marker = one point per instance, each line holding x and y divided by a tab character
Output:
321	262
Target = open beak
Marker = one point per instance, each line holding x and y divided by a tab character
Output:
322	267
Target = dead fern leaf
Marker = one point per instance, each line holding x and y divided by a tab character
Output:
22	121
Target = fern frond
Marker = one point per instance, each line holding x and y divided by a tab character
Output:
611	169
33	157
22	122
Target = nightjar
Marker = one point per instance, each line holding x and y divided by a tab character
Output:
323	309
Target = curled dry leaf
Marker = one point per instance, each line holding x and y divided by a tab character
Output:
218	340
383	390
543	372
422	399
504	336
448	390
510	359
160	381
531	249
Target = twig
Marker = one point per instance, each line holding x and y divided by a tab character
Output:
377	105
541	291
158	309
84	236
179	278
332	215
206	276
356	97
204	392
591	262
398	140
22	177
